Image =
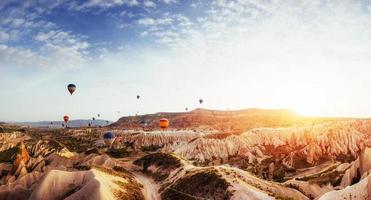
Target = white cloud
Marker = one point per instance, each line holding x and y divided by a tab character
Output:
144	33
105	4
133	3
4	36
167	29
154	22
17	22
170	1
19	56
49	57
101	3
146	21
149	4
58	50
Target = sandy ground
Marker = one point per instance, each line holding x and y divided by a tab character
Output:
150	187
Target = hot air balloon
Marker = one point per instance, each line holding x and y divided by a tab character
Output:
66	118
98	115
164	123
71	88
186	109
108	138
138	96
93	118
201	101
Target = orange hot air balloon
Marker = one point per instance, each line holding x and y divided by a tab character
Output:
66	118
164	123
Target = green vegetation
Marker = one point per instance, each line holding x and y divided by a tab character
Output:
205	183
9	154
161	160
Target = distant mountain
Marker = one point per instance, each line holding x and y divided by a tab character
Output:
235	120
72	123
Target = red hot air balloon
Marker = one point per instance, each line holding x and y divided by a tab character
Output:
164	123
71	88
66	118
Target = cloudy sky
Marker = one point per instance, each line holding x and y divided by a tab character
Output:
313	56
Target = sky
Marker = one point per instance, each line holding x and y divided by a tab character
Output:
311	56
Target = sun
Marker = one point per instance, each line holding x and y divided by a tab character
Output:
308	102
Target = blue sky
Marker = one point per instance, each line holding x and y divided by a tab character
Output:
312	56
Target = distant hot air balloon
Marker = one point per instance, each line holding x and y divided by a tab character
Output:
66	118
201	101
108	138
98	115
186	109
93	118
138	96
164	123
71	88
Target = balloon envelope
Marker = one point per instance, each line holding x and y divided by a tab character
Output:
164	123
71	88
66	118
108	138
138	96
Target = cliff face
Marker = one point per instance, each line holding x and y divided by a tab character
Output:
238	120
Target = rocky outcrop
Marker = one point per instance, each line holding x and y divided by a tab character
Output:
94	184
297	147
156	140
358	169
180	179
358	191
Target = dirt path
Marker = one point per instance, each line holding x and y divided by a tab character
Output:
150	187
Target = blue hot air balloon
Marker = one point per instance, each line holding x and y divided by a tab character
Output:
109	137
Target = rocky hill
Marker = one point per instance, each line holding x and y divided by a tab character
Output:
236	120
58	124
